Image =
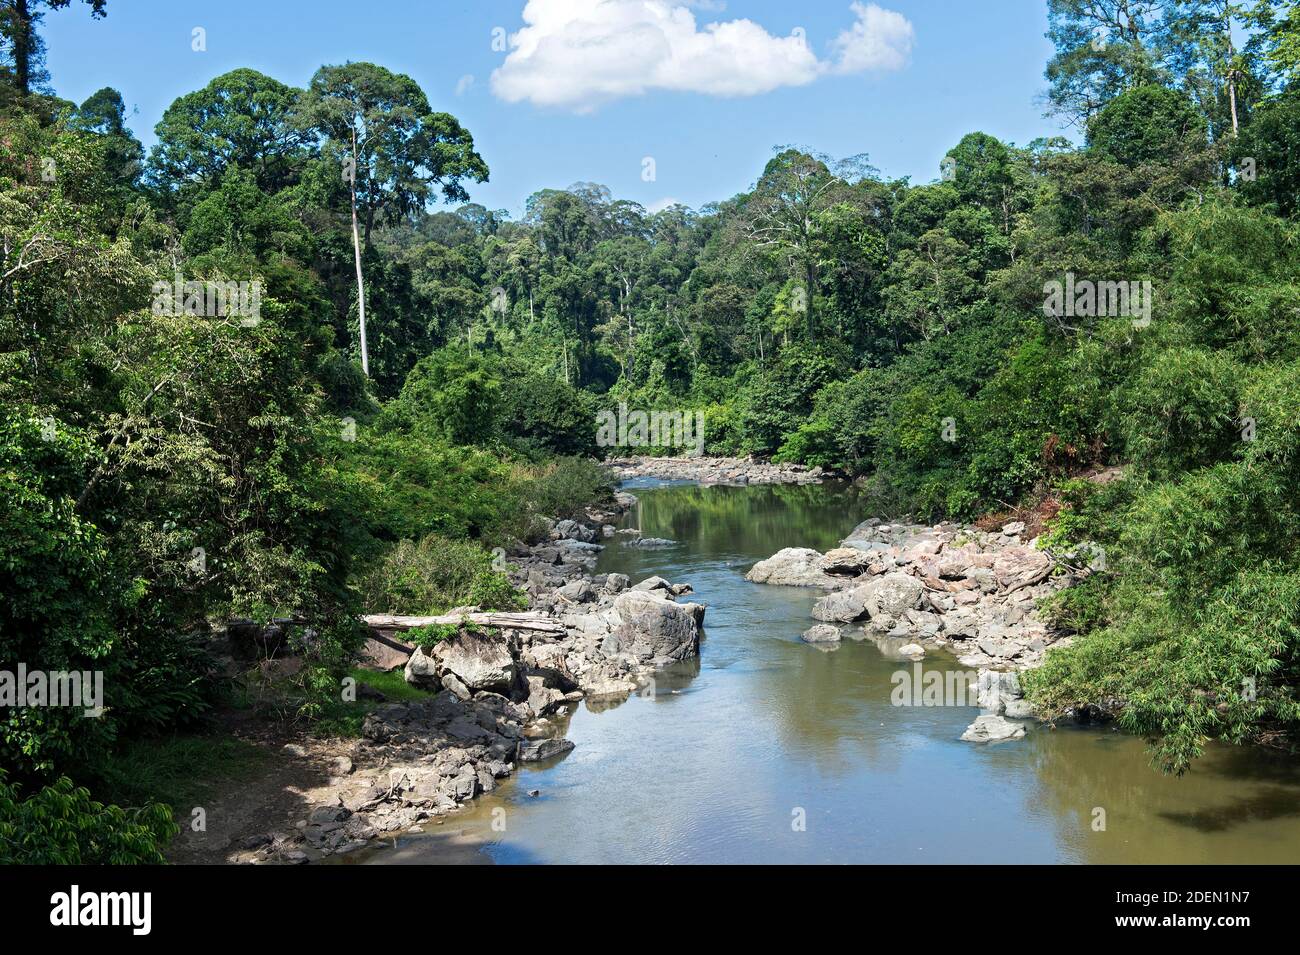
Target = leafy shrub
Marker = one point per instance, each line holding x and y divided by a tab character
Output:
62	825
435	575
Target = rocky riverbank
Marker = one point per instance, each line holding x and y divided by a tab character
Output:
913	588
714	470
500	697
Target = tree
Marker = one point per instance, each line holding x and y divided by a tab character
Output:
782	216
104	114
241	118
18	22
394	153
1103	47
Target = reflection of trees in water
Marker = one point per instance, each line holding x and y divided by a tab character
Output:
1150	817
833	709
753	520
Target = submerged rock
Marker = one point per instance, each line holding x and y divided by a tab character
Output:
822	633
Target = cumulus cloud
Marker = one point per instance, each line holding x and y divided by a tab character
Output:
580	54
879	40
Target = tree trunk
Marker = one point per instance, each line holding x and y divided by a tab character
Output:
22	44
356	250
530	620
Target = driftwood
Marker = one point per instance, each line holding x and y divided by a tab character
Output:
508	621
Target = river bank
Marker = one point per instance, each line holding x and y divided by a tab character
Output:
497	697
911	589
706	470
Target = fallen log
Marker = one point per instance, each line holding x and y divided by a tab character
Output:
506	621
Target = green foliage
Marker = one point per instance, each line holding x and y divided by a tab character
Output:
61	825
434	575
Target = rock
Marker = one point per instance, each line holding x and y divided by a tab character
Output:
653	583
844	606
380	656
293	749
1021	567
539	749
822	633
650	542
615	583
792	567
1013	528
996	688
894	594
341	766
991	728
1019	709
455	686
542	699
577	591
846	561
913	650
572	530
481	661
652	627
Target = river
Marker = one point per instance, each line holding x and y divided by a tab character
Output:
767	749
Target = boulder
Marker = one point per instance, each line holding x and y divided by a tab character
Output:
650	542
997	688
478	661
653	583
991	728
577	591
792	567
651	626
822	633
1019	567
538	749
572	530
844	606
894	594
846	561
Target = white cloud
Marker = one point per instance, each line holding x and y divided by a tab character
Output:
879	40
580	54
464	83
659	205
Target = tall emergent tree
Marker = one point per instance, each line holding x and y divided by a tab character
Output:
18	22
394	153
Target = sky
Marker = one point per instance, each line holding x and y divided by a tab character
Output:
660	100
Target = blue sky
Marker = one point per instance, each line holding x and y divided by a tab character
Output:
903	97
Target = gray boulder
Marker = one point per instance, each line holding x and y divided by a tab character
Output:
572	530
478	661
539	749
822	633
894	594
844	606
652	626
991	728
792	567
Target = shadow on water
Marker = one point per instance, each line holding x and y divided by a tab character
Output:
1273	803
